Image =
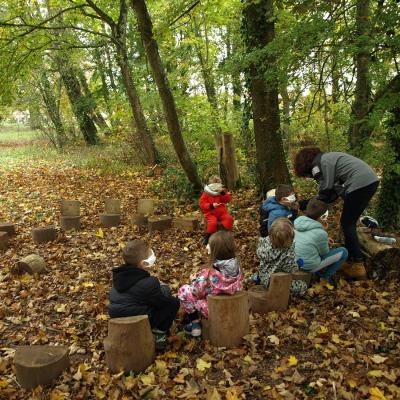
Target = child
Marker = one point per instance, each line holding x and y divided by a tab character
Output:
136	292
282	204
224	276
312	243
276	254
213	204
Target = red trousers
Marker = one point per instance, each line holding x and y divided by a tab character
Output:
212	222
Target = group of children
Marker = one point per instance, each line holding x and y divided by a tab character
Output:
284	246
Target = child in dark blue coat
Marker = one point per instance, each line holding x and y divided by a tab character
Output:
283	204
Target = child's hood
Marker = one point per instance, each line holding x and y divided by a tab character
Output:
125	276
273	255
229	267
211	192
304	224
272	204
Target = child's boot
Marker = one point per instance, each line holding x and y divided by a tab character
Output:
193	328
354	269
160	338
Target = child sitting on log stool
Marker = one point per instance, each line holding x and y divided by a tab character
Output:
213	204
276	253
312	243
136	292
224	277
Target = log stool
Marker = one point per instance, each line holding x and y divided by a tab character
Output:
145	208
228	319
159	223
4	240
130	344
39	365
302	276
45	234
32	264
112	215
8	227
275	298
70	215
186	223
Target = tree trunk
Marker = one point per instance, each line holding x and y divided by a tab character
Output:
360	129
168	101
259	31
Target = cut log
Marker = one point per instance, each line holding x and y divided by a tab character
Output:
109	220
112	206
4	240
140	220
275	298
45	234
159	223
40	365
130	344
32	264
70	208
8	227
302	276
383	260
146	206
228	319
186	223
69	223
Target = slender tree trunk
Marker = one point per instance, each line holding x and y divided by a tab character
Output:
168	101
259	31
359	129
286	117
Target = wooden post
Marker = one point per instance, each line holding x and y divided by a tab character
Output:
40	365
228	319
7	227
109	220
45	234
275	298
186	223
69	223
159	223
130	344
145	206
70	208
229	161
4	240
32	264
112	206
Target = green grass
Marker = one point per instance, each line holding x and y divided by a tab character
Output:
15	135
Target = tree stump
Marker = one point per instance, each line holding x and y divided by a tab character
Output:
383	260
109	220
32	264
4	240
39	365
8	227
145	206
130	344
45	234
139	220
302	276
70	208
186	223
228	319
69	223
275	298
112	206
159	223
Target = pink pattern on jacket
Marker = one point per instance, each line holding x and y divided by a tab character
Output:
227	279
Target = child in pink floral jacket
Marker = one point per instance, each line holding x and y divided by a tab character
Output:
224	277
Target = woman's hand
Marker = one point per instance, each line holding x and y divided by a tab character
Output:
215	205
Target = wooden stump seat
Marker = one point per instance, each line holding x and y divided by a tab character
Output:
186	223
32	264
70	208
4	237
112	206
146	206
110	220
8	227
302	276
44	234
159	223
68	223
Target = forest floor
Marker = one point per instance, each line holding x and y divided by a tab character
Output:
333	344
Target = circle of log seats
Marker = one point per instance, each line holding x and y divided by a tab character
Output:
45	234
302	276
112	206
32	264
140	220
130	344
159	223
69	223
40	365
275	298
8	227
4	237
145	206
228	319
110	220
186	223
70	208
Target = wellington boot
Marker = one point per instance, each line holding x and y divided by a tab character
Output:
355	270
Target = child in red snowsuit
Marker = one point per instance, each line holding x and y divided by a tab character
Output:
213	204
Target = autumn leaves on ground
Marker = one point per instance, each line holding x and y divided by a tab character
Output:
334	344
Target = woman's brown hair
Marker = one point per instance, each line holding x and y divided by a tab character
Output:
304	159
222	246
281	234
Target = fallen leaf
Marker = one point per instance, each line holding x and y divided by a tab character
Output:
201	365
231	394
100	233
292	361
377	359
375	373
273	339
376	394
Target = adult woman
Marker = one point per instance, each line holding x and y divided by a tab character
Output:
340	174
